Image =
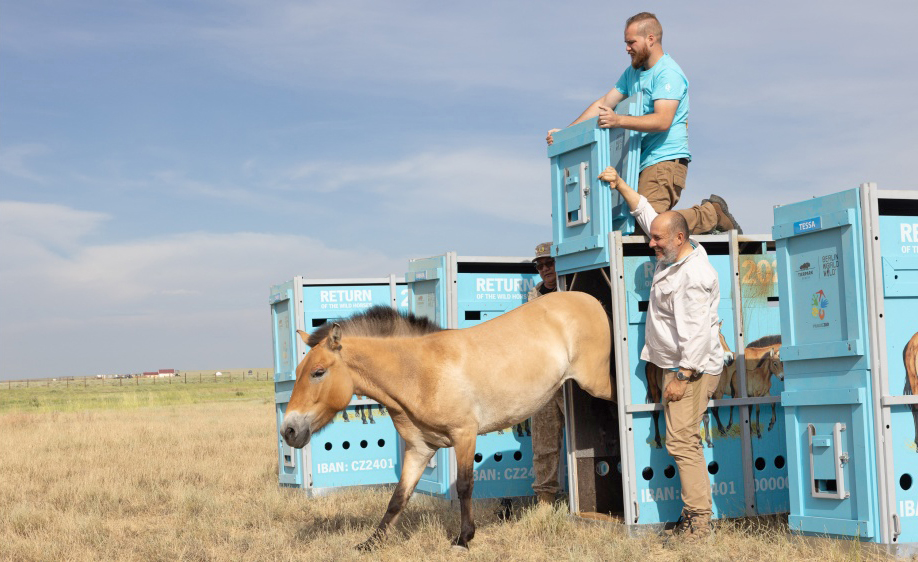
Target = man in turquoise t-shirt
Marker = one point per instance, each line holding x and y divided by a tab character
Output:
664	146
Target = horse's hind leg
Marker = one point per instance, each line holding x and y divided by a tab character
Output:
416	459
465	455
774	416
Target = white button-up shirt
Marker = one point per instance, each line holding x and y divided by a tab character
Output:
682	327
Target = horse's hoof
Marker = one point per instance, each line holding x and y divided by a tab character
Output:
366	546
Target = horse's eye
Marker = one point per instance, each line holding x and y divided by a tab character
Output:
318	373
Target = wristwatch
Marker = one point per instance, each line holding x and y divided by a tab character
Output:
680	376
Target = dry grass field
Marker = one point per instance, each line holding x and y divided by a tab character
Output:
147	480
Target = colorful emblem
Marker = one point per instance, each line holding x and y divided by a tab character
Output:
820	303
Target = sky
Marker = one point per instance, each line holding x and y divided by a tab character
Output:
163	163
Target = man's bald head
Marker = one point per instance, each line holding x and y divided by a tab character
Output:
668	237
673	223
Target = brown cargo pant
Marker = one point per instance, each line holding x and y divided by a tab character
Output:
662	184
547	432
683	442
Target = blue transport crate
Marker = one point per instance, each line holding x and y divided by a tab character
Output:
459	292
848	274
360	447
745	456
584	210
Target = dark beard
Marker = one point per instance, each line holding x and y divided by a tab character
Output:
640	60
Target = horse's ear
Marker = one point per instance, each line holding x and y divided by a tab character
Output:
303	335
333	341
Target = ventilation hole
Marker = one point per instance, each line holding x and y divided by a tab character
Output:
618	467
381	442
517	456
346	445
779	462
713	467
760	463
905	482
363	444
328	446
647	473
478	457
669	471
498	457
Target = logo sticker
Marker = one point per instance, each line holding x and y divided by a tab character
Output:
805	270
820	304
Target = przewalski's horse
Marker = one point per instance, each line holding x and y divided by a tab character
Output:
655	389
910	357
444	388
763	359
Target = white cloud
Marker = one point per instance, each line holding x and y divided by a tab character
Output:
13	161
97	299
490	180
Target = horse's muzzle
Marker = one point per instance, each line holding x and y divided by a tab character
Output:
295	431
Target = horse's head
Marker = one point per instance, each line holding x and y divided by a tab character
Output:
729	357
777	366
323	387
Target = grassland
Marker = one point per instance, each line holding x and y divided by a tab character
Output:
189	472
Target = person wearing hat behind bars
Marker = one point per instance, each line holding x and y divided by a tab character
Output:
548	421
664	145
681	337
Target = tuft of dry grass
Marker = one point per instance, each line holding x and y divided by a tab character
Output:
199	482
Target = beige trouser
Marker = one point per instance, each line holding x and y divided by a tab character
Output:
662	184
547	432
683	441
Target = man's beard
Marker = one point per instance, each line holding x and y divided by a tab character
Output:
668	255
640	59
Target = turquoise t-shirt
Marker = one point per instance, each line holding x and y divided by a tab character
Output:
663	81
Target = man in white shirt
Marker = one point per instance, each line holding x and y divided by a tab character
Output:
681	337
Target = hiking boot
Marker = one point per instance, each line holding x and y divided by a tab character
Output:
725	220
689	529
701	530
683	525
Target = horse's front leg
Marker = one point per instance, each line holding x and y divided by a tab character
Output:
465	457
416	458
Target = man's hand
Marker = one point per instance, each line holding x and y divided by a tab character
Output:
608	119
675	390
610	175
549	138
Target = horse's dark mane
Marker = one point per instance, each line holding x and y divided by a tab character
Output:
378	322
766	341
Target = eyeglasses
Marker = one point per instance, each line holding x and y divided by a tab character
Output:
544	264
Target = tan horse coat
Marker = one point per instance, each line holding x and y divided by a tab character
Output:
910	357
444	388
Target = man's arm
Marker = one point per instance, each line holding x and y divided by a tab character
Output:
610	100
664	111
690	309
640	208
615	181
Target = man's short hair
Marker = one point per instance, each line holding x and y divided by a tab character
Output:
647	24
678	224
